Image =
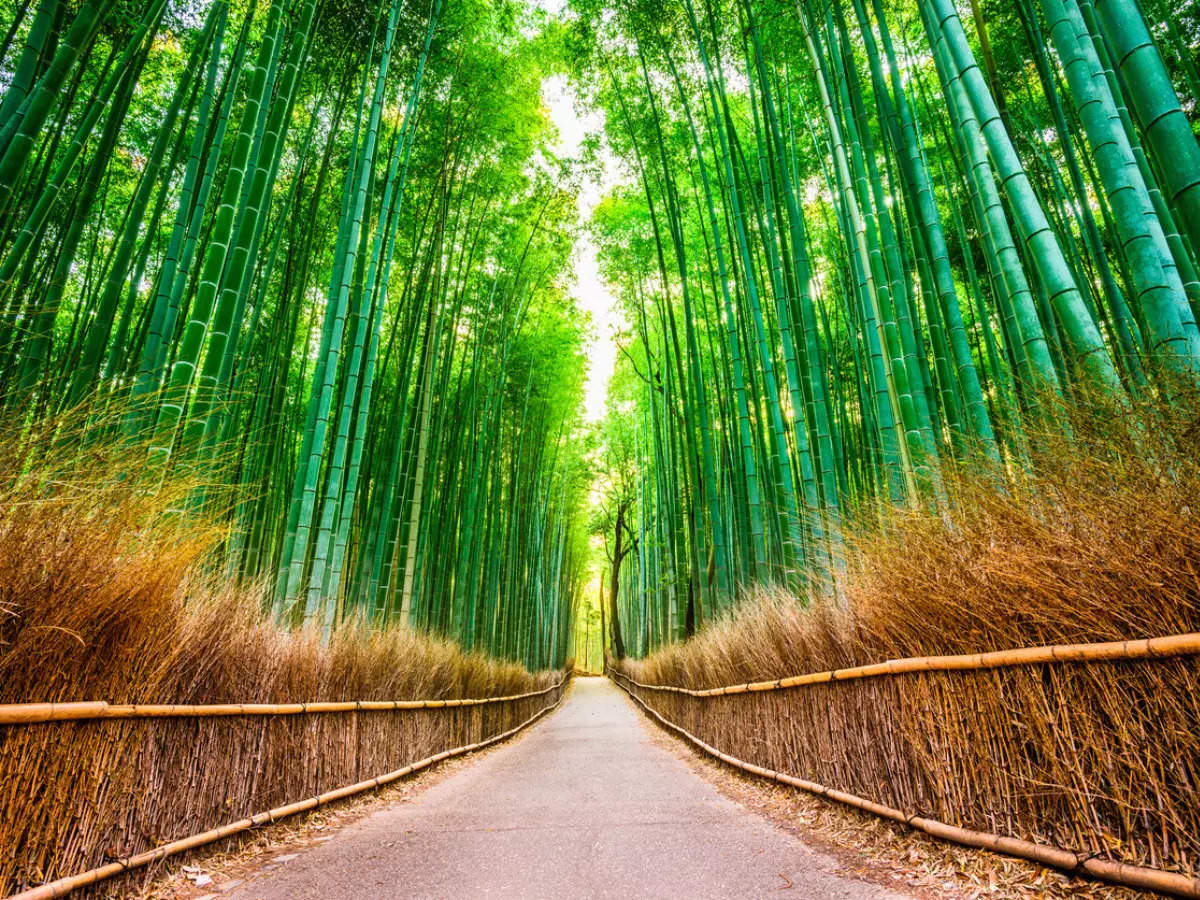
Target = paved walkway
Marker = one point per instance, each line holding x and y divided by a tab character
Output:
585	805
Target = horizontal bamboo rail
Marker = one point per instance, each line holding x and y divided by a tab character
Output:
64	886
1146	648
1071	861
33	713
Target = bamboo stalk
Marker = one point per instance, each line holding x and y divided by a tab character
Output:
33	713
64	886
1141	877
1145	648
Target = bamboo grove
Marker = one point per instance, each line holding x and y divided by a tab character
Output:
865	240
313	256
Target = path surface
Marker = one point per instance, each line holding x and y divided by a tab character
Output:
586	805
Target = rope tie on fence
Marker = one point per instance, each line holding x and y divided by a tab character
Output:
1084	859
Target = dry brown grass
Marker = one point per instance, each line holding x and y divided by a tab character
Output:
103	596
1096	539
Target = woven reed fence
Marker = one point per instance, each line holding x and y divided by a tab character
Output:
139	777
1085	758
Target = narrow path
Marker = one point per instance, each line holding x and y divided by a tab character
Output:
586	805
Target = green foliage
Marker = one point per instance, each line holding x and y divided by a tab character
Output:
858	240
350	250
318	254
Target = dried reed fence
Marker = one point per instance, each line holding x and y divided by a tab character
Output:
197	710
214	715
1089	747
1094	539
271	752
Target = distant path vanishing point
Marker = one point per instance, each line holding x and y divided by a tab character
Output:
586	805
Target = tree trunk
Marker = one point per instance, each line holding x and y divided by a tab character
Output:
615	582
